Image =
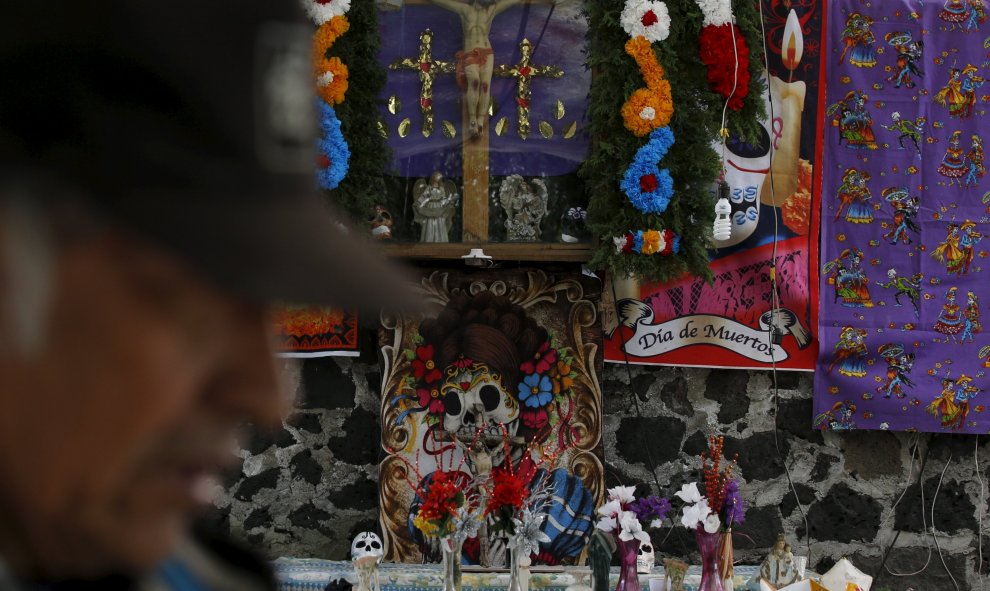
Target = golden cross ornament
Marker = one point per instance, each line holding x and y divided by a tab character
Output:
428	69
524	72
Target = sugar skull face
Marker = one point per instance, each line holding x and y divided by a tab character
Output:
645	559
367	544
746	168
475	398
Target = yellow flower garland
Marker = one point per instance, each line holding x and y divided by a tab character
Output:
651	107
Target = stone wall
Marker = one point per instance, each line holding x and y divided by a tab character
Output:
308	489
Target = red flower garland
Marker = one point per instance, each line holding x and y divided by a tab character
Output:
718	55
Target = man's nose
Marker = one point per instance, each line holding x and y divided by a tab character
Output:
249	387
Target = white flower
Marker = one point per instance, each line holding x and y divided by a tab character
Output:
646	18
695	514
611	508
648	114
322	11
712	523
631	528
716	12
620	243
689	493
325	79
607	524
623	494
656	523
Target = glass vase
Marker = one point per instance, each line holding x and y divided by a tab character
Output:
628	577
451	551
709	546
726	559
515	581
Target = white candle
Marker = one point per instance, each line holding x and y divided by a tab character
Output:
785	128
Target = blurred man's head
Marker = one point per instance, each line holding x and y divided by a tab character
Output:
122	393
156	193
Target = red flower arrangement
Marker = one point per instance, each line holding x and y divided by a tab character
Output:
718	54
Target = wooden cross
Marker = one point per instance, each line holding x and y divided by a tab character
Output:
428	69
524	72
475	152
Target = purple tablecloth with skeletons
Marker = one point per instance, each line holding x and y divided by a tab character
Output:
904	215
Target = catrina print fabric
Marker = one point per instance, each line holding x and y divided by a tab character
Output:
904	269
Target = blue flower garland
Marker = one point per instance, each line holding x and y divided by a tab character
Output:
645	172
333	153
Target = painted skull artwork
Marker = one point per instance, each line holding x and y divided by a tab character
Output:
501	367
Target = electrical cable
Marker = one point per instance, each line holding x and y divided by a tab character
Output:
628	365
924	524
775	303
934	534
981	511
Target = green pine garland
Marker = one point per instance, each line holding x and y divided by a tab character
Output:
364	185
697	119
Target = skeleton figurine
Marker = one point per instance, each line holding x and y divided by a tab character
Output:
381	223
435	203
525	206
645	559
366	554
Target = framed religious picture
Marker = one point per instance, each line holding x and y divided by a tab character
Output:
485	113
502	374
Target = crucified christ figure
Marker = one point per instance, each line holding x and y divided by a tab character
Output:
476	62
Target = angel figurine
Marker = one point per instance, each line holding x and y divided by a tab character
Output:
525	206
435	203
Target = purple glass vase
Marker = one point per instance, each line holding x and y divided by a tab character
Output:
709	546
628	577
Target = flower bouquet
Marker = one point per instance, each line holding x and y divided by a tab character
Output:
450	510
712	514
623	517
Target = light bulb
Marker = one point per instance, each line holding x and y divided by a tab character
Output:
722	228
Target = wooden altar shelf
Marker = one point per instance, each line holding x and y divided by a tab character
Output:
499	251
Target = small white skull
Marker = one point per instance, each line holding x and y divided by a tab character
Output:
646	558
367	544
474	398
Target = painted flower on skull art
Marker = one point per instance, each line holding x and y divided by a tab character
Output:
536	391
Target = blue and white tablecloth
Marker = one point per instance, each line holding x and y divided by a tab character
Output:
307	574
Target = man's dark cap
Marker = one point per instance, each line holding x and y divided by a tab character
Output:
193	123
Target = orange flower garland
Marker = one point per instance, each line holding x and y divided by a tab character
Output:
331	74
332	83
651	107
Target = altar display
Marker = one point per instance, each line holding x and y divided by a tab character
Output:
500	378
760	308
483	93
904	216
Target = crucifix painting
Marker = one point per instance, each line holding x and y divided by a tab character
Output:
484	69
476	62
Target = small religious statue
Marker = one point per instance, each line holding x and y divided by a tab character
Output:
674	571
435	203
525	206
476	62
779	567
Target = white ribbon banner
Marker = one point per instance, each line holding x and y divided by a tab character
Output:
650	340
